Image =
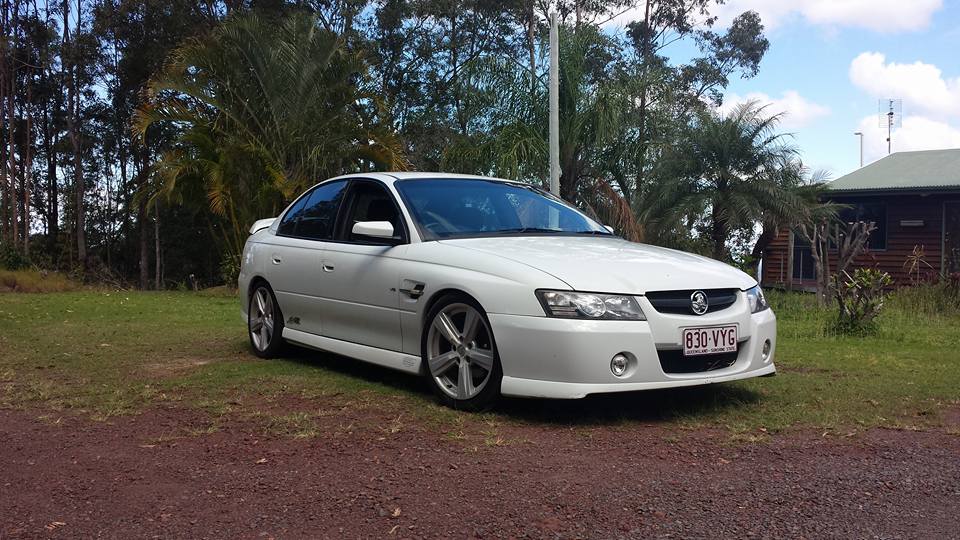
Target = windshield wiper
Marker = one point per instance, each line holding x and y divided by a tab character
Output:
596	233
530	229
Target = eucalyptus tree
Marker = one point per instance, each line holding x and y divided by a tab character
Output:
510	138
265	107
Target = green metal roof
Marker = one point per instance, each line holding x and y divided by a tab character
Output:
925	170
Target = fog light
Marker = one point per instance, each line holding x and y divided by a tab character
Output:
765	353
618	365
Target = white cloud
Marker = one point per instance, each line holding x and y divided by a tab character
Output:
797	110
876	15
917	133
922	87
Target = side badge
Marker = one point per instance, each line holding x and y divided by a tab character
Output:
293	320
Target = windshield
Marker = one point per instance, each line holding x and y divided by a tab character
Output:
451	208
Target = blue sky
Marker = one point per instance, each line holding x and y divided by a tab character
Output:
831	60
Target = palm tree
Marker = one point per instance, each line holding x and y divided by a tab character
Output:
732	172
264	108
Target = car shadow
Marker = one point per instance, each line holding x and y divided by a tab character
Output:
652	406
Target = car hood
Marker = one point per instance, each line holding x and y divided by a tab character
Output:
610	264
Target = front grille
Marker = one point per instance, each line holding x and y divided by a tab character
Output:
678	302
673	361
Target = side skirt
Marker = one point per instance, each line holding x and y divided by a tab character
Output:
391	359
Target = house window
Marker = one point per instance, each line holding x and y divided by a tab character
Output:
802	259
875	212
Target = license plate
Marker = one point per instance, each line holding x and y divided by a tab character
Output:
709	340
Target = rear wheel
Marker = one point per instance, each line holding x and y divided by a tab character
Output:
460	354
265	322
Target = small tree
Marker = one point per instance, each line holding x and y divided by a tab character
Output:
860	299
850	240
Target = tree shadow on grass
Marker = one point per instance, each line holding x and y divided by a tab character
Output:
652	406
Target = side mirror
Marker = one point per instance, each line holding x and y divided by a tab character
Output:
374	229
609	228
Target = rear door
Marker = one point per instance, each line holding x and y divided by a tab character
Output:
296	255
360	301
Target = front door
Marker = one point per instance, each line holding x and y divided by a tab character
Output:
951	236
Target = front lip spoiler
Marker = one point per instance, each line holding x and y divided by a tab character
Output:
518	387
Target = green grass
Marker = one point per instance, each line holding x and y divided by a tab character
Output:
110	353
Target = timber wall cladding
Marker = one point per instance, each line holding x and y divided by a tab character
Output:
905	213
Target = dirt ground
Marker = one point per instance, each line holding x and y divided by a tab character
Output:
160	474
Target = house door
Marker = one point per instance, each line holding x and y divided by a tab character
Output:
951	236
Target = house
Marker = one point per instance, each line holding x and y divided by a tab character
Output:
914	200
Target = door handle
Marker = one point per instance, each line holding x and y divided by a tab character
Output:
276	259
327	267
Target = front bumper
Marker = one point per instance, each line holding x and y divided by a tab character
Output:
563	358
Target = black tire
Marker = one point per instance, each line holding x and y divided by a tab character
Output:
275	343
489	394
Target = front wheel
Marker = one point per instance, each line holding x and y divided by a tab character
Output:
265	322
460	354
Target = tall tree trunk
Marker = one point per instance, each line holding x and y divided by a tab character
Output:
532	45
157	274
4	172
28	169
11	128
53	196
143	222
77	157
718	235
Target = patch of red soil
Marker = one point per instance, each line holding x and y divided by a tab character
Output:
138	477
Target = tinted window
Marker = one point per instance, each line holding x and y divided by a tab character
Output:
372	202
313	214
288	225
446	208
320	211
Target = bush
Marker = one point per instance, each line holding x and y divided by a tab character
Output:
230	269
860	299
12	259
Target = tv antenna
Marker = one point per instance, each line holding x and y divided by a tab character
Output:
889	112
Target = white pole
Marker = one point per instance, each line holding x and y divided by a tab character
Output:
554	108
860	134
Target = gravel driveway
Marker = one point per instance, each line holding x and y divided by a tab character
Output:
142	477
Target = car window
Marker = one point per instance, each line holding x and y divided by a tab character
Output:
450	208
288	225
320	212
313	215
370	201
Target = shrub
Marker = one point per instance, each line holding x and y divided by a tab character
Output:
860	299
230	269
12	259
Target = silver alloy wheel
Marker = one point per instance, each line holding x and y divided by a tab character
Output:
261	320
460	351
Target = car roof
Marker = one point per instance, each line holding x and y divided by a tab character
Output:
410	175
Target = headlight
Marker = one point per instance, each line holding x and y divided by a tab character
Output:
578	305
756	300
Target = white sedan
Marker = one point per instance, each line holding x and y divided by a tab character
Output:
490	287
